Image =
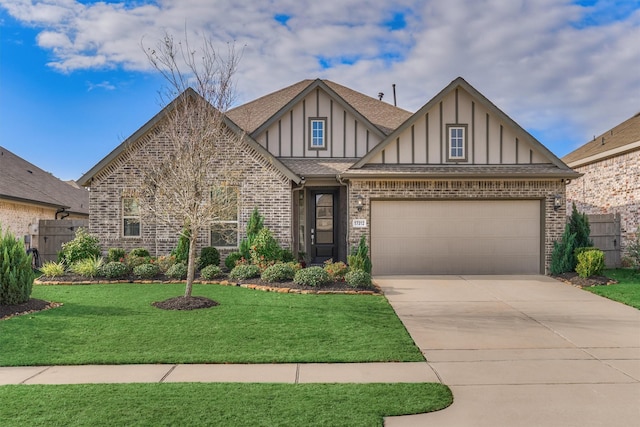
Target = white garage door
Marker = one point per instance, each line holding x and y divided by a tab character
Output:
456	237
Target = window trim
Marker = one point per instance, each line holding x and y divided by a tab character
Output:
322	120
464	157
125	217
236	221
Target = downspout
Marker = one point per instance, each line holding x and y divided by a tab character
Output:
62	211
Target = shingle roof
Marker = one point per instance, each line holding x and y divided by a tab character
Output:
252	115
23	181
454	171
317	167
614	140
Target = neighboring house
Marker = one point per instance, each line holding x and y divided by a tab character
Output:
28	195
610	184
456	188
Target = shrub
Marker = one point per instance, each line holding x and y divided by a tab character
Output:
336	270
83	246
244	271
114	270
16	274
231	260
87	267
590	263
265	249
116	254
181	252
279	272
146	271
358	278
359	258
164	262
633	250
295	265
208	256
133	261
312	276
562	257
255	224
52	269
210	272
139	252
286	255
177	271
579	225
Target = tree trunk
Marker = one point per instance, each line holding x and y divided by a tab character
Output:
191	264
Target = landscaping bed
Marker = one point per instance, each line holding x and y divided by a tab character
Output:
584	282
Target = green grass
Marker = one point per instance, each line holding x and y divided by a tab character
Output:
217	404
116	324
626	291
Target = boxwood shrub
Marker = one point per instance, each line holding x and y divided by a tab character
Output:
146	271
114	270
358	279
312	276
210	272
177	271
278	273
244	271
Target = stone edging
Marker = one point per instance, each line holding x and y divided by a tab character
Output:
264	288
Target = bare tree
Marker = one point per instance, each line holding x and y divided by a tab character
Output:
192	186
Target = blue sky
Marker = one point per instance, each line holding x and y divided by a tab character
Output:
74	81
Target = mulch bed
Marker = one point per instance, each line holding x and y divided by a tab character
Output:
574	279
185	303
31	306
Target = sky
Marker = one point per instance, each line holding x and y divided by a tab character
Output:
75	81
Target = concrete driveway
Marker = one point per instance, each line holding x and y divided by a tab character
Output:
521	350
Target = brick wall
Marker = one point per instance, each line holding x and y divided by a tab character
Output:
610	186
492	189
261	185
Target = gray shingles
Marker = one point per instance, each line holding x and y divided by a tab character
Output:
21	180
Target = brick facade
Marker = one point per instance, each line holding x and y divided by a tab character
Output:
610	186
554	220
262	186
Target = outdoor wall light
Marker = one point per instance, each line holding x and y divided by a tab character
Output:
360	201
557	201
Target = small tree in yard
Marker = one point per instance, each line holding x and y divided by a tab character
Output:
194	182
16	275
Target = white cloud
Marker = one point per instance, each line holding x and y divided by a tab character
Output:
563	70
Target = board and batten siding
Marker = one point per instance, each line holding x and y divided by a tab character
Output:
489	141
346	136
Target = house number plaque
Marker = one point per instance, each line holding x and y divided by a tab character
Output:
359	223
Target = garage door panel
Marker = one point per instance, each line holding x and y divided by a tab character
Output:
456	237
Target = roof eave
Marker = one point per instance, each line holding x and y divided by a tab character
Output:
33	202
449	175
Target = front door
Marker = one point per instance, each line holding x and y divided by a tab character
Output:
324	205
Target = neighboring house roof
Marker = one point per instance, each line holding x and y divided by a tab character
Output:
258	114
621	139
85	180
24	182
562	169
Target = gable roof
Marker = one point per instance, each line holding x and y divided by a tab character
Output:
621	139
24	182
259	114
85	180
462	83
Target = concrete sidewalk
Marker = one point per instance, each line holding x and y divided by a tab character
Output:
525	351
292	373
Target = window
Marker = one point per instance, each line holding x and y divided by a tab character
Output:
457	140
317	134
224	230
130	217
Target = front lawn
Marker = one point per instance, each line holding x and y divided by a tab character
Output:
116	324
217	404
626	291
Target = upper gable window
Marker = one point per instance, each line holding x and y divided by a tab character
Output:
317	133
457	143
